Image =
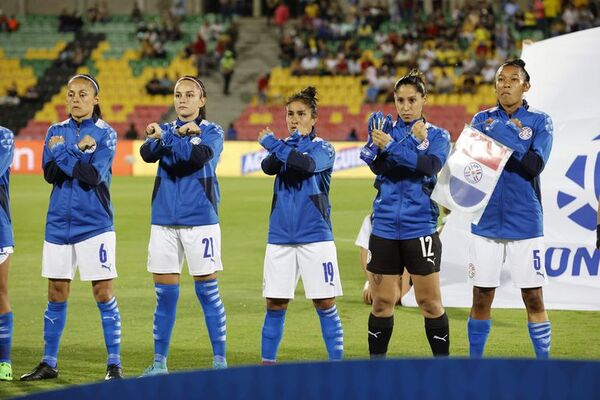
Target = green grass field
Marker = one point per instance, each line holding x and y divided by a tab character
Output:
244	216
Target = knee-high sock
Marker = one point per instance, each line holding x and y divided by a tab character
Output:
438	334
214	314
164	319
55	318
272	332
6	328
380	333
333	334
111	326
478	331
541	336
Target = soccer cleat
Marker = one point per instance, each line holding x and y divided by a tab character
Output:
219	363
5	371
113	371
42	371
156	369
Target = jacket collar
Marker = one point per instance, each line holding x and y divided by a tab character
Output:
408	125
297	137
179	122
86	123
524	106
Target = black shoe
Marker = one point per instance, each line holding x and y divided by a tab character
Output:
42	371
113	372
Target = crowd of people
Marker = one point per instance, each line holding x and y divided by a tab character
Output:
467	43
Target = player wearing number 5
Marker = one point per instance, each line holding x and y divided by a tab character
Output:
510	231
185	220
77	159
406	156
300	240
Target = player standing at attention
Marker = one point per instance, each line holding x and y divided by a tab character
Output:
510	231
406	156
77	159
300	241
7	147
185	220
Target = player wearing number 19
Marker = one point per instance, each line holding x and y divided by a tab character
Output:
300	241
185	220
77	159
406	156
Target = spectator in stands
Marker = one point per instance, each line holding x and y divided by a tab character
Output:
11	98
12	24
132	133
136	13
3	21
153	86
69	22
227	67
352	135
31	94
231	132
469	85
444	83
198	49
263	86
282	15
166	84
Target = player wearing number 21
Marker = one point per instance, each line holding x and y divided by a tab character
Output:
300	241
406	156
185	220
510	231
77	159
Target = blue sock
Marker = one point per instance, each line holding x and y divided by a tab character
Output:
333	335
6	328
111	325
164	319
55	318
541	336
272	332
214	315
478	330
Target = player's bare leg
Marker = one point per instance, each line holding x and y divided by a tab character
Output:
538	322
384	292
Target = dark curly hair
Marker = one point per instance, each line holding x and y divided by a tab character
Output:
413	78
307	96
517	62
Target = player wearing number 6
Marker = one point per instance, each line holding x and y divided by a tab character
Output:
185	220
406	156
510	231
77	159
300	241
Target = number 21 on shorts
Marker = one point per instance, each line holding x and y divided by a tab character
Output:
209	251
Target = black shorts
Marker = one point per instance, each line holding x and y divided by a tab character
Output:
420	256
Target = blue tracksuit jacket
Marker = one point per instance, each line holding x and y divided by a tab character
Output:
7	147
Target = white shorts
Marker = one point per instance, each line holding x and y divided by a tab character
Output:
524	258
94	256
201	246
5	252
316	263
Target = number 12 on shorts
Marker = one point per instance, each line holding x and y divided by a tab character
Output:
328	272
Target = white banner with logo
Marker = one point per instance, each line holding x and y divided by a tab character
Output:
469	177
565	83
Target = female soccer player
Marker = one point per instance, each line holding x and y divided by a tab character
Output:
406	157
77	159
510	231
300	241
185	220
7	146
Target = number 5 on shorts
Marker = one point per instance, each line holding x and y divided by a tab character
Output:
328	272
537	262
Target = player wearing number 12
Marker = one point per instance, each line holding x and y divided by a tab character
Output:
406	156
300	241
185	220
77	159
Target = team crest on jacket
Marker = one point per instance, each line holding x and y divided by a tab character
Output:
525	133
195	140
423	145
90	150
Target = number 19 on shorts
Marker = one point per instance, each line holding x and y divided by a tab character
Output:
328	272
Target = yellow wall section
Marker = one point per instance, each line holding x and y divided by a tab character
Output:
240	158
